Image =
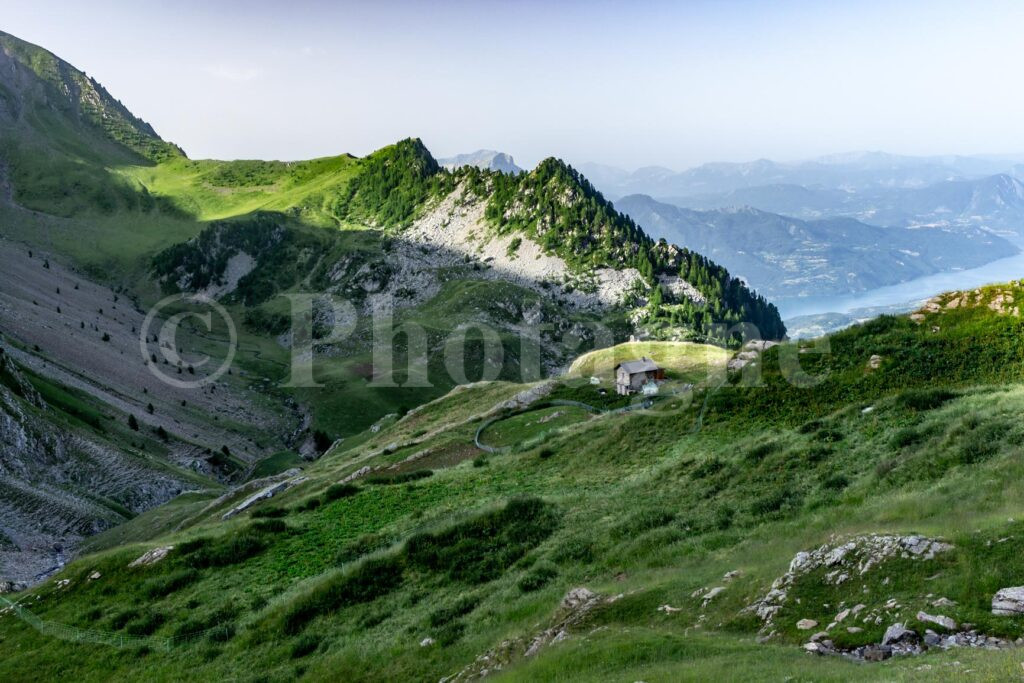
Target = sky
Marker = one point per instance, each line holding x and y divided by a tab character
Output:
629	84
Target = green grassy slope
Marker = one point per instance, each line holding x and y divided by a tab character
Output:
349	580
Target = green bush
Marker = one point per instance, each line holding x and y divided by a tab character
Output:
461	607
537	578
304	645
574	550
270	511
403	478
338	491
360	547
232	549
162	586
368	581
480	549
924	399
145	625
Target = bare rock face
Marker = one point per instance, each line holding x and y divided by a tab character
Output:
1008	602
844	561
937	619
152	556
897	633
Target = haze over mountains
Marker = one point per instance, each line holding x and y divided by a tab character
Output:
482	158
786	257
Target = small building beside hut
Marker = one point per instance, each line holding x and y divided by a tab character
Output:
632	376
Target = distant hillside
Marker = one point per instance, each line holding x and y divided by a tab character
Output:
993	202
784	256
853	172
482	158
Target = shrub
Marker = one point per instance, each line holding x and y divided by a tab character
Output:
145	625
770	503
480	549
906	436
403	478
311	504
836	482
924	399
809	427
119	620
538	577
708	467
270	526
232	549
461	607
304	645
367	582
546	453
222	620
643	520
829	435
575	550
162	586
450	633
270	511
761	451
364	545
337	491
221	633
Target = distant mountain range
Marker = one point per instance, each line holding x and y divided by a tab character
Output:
785	257
482	158
993	202
852	172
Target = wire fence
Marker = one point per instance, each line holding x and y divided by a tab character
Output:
74	634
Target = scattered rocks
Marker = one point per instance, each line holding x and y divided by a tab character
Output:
669	609
95	576
1008	602
152	556
875	653
426	642
577	598
938	619
573	609
711	595
266	494
875	362
855	557
11	587
729	576
897	634
806	624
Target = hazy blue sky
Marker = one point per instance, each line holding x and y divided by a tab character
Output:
631	83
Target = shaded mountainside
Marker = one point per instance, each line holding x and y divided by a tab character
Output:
552	206
72	150
784	256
